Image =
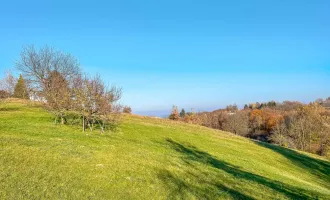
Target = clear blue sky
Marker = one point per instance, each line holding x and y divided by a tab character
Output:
200	54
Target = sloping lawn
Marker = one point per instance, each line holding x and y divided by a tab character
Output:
147	159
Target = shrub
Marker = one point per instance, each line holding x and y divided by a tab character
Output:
4	94
192	119
127	110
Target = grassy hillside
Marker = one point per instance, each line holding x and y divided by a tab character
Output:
147	159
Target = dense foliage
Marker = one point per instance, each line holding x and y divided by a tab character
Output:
290	124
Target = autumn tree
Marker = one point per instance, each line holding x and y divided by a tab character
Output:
21	90
58	95
271	119
213	119
307	126
8	83
306	129
4	94
256	119
127	109
50	74
289	105
96	103
237	123
174	114
280	135
37	65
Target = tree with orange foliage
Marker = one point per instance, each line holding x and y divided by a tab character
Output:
265	119
256	119
174	114
272	119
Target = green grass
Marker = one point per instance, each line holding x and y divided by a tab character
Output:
147	159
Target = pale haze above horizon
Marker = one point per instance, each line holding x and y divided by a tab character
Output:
193	54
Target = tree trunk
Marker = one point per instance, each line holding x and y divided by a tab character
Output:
83	124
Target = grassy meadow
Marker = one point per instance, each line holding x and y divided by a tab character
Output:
147	158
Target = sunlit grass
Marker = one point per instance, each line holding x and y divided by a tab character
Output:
146	159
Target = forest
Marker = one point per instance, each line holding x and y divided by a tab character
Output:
290	124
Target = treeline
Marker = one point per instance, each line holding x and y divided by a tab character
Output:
289	124
55	79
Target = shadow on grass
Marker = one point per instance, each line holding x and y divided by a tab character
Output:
319	168
181	189
9	109
191	155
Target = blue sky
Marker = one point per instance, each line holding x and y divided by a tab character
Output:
194	54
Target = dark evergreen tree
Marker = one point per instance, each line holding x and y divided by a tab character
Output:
20	90
182	113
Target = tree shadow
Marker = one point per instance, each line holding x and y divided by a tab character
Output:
319	168
181	189
9	109
191	155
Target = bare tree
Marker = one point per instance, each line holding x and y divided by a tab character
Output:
8	83
307	126
237	123
37	66
95	103
280	135
58	95
55	78
49	75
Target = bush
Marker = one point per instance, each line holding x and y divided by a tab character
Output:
127	110
192	119
4	94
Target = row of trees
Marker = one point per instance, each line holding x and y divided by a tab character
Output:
189	117
289	124
55	79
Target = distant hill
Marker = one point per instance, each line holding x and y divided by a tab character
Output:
155	113
147	158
